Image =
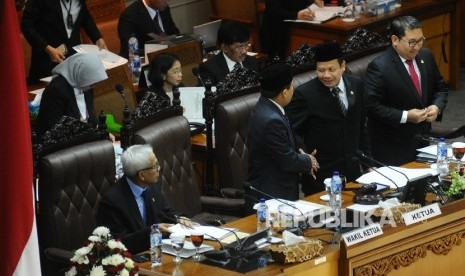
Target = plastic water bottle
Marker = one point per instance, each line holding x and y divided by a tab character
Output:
441	162
134	59
335	198
262	212
155	246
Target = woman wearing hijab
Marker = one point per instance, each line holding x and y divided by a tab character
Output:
165	74
70	91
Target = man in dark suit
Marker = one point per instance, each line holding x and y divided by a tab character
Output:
135	202
274	159
274	32
52	28
404	93
142	18
234	41
319	120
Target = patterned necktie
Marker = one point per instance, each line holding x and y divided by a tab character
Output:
148	208
336	91
237	65
289	129
158	29
414	76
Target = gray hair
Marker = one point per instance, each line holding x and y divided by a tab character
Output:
136	158
401	24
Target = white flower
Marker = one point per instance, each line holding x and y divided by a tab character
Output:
80	256
124	272
101	231
129	264
95	239
113	260
112	244
97	271
71	272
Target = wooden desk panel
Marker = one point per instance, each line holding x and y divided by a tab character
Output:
439	19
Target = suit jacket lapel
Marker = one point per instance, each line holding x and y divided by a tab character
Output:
404	75
132	204
57	5
350	94
223	64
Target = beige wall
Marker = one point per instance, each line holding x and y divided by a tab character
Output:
188	13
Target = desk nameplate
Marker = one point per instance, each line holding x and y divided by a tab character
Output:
421	214
362	234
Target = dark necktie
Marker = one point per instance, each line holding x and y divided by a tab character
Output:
335	93
237	65
148	208
158	29
414	76
290	131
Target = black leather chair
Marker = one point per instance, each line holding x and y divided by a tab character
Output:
230	108
168	132
75	166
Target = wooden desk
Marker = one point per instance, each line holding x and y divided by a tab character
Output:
440	21
435	247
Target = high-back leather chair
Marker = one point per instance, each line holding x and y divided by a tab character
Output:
168	132
73	175
230	107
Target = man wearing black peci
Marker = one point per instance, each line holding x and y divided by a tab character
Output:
328	116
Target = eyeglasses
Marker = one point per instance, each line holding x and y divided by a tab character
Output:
156	168
241	47
413	43
176	72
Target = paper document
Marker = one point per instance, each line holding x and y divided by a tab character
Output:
390	172
187	251
109	59
322	14
191	101
432	151
212	231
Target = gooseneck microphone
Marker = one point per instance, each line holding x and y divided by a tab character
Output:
305	225
196	73
363	156
397	193
426	138
120	89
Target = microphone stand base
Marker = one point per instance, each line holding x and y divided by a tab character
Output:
394	194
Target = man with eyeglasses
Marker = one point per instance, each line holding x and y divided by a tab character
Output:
234	42
404	93
135	202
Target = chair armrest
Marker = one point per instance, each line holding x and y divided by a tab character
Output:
232	193
58	255
220	204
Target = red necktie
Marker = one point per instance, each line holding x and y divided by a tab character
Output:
414	76
334	2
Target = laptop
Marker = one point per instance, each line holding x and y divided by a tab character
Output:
208	32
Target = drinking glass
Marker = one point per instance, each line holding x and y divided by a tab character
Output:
197	240
458	150
177	242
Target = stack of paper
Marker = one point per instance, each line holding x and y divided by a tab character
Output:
212	231
383	174
109	59
322	14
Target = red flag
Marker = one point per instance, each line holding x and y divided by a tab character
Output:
19	253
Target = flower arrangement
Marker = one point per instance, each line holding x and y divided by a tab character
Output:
457	186
102	255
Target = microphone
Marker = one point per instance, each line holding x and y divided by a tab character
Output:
397	193
241	193
305	225
196	73
120	89
362	155
426	138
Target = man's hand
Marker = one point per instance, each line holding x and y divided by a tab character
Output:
305	14
163	227
315	165
417	115
55	54
432	112
101	44
319	3
187	223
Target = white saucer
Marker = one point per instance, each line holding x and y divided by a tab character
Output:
348	19
324	198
